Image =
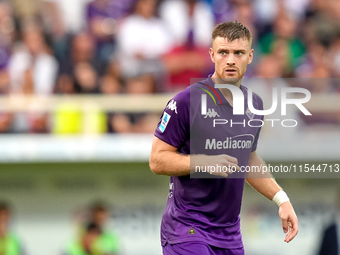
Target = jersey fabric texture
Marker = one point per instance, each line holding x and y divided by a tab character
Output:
194	248
201	209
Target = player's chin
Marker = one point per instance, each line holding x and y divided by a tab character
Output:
231	79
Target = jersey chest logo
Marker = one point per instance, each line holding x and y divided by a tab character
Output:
250	114
211	113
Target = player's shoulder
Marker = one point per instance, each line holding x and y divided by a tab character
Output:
257	100
254	95
183	96
189	93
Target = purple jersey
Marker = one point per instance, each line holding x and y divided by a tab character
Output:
194	248
207	210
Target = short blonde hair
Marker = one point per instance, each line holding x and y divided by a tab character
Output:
231	30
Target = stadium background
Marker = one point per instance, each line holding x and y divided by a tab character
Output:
63	148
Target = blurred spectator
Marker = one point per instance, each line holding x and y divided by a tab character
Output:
268	68
124	46
4	81
102	22
33	71
82	54
243	11
80	73
315	58
32	65
142	40
320	83
296	8
147	123
186	62
6	120
86	78
324	21
109	240
188	18
267	10
26	10
192	32
269	76
334	57
317	64
120	123
143	84
58	17
283	43
65	85
110	85
135	122
330	243
6	34
222	10
9	244
88	242
65	17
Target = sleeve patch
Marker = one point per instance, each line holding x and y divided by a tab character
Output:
164	122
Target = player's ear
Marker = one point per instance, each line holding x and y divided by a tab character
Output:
251	55
212	55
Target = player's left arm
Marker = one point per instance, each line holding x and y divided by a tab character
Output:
265	184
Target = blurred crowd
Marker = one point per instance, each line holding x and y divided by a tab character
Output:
150	46
93	234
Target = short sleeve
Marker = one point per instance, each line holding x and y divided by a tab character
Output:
174	125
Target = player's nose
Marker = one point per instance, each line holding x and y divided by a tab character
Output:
230	60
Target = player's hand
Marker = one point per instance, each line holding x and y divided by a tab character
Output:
289	221
219	165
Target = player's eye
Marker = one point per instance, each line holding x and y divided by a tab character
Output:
239	53
223	53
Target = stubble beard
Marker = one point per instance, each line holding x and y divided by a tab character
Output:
231	80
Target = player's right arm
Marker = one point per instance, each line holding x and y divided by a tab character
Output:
166	160
172	131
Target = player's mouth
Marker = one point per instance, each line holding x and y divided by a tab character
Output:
231	71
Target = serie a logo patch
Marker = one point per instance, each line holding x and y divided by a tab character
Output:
165	120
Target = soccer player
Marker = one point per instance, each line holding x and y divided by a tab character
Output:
9	243
202	214
108	239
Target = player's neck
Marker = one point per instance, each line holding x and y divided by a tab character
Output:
225	92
